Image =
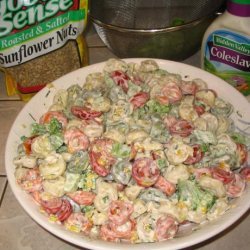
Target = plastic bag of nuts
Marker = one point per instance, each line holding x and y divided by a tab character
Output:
40	40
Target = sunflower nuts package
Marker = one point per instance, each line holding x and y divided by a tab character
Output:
40	40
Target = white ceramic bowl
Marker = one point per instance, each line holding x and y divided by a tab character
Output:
39	105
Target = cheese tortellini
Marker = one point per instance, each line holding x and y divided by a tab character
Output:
52	166
106	193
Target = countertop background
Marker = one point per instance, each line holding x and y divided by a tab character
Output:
19	232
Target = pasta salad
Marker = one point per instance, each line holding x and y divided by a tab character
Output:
136	154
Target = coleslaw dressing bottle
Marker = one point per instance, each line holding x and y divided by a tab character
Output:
225	48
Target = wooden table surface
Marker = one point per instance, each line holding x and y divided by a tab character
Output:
19	232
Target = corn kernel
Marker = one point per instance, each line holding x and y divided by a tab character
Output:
53	218
73	228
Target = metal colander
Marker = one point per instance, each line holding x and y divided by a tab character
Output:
168	29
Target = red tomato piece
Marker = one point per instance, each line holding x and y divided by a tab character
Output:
80	221
170	93
52	206
182	128
196	157
236	187
222	175
82	197
139	99
76	140
166	227
27	144
85	113
245	173
107	234
120	211
145	172
165	186
100	169
65	210
199	109
121	79
32	174
125	230
48	116
100	156
242	152
31	181
32	185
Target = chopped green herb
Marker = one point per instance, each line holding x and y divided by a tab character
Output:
105	199
23	138
204	147
87	209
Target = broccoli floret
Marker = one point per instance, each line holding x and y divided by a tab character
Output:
78	163
156	107
120	150
194	197
38	129
152	107
54	127
56	141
